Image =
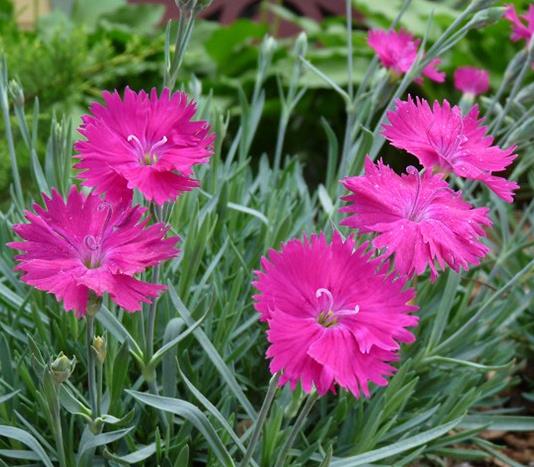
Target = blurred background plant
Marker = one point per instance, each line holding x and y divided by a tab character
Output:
79	48
463	387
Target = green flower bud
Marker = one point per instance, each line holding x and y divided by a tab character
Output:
486	17
100	348
62	367
17	93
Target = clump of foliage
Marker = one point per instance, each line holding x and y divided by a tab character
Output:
475	332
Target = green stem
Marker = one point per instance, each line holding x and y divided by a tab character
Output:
99	368
297	428
91	376
4	103
348	12
262	416
58	432
150	331
282	128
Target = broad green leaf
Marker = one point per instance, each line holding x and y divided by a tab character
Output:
6	397
213	355
191	413
102	439
139	455
27	439
395	448
499	422
211	409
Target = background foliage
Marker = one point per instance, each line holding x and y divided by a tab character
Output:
468	370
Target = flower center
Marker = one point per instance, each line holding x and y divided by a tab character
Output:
146	153
92	257
447	141
330	317
412	215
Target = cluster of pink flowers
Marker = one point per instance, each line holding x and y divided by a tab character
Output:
97	243
337	311
397	51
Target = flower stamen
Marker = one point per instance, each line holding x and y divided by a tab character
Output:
413	171
330	317
149	156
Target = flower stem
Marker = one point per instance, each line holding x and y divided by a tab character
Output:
297	427
91	377
58	432
262	416
150	331
99	368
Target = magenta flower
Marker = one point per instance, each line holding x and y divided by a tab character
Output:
335	316
88	245
397	50
520	30
143	142
471	80
417	218
441	137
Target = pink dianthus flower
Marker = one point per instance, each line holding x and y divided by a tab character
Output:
142	142
417	218
521	30
471	80
335	316
397	50
85	245
442	137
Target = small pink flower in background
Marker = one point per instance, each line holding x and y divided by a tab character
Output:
82	245
397	50
521	30
471	80
143	142
442	137
335	316
418	219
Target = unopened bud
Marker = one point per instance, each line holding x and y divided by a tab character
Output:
301	45
100	348
192	6
62	367
486	17
478	5
268	46
16	92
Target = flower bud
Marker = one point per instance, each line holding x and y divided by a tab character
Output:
486	17
16	92
268	46
100	348
62	367
301	45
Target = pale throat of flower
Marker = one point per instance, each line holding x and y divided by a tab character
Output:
146	153
93	255
330	317
411	170
447	142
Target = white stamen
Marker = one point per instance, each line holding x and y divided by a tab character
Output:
158	144
320	292
348	312
90	242
138	143
106	205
